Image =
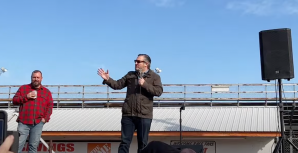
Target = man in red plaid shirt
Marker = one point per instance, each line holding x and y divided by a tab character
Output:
34	111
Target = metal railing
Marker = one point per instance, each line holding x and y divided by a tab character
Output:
174	94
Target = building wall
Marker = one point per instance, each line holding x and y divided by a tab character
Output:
228	145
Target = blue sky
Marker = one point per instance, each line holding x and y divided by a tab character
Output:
191	41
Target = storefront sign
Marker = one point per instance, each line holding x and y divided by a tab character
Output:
78	147
202	146
112	147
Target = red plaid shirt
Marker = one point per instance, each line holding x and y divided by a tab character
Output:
32	111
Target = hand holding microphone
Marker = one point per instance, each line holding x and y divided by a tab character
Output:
141	79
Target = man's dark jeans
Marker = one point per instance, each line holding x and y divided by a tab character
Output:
128	126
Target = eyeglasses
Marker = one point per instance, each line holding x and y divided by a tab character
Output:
139	61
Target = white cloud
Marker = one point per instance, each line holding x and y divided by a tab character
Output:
168	3
265	7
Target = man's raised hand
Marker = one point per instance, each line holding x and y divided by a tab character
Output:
103	74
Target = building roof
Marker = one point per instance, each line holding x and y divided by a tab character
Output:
208	119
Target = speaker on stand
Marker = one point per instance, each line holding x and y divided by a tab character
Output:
276	54
277	64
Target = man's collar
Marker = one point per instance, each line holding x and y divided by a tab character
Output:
41	87
148	73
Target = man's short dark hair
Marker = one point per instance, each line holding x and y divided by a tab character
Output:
36	71
147	59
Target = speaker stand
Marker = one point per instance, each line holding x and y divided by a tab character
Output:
280	146
181	108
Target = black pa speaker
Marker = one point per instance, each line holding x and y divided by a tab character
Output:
276	54
15	146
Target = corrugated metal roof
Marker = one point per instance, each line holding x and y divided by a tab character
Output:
221	119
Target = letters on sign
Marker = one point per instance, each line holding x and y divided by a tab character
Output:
208	146
59	147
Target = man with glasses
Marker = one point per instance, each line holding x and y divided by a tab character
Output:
137	110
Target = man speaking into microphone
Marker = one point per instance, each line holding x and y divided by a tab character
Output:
137	110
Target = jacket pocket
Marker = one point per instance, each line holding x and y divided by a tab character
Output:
126	109
146	106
